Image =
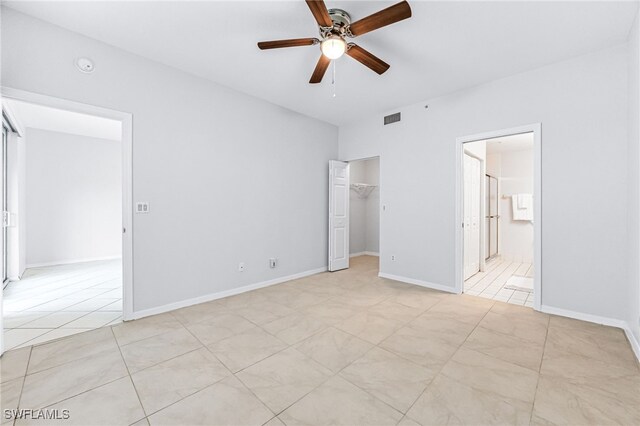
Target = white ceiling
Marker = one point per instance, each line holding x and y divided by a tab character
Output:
444	47
56	120
519	142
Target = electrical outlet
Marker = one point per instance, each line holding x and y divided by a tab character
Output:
241	267
273	262
393	258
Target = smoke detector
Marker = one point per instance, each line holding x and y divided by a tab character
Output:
85	65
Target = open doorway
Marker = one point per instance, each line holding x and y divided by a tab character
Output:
499	206
66	183
354	238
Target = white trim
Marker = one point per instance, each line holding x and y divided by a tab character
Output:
127	180
365	253
13	120
70	261
596	319
611	322
635	345
536	128
421	283
219	295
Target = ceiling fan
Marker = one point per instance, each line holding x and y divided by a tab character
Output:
335	27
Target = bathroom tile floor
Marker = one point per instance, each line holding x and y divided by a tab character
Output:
56	301
491	282
342	348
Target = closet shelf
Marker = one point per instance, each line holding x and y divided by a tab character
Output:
363	189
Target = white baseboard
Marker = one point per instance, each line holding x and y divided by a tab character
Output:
611	322
365	253
583	317
70	261
219	295
418	282
635	345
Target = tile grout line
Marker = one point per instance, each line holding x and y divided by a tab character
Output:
129	373
452	355
24	379
544	348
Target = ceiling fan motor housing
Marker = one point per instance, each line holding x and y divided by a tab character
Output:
339	17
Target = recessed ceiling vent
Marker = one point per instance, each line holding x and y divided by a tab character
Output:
393	118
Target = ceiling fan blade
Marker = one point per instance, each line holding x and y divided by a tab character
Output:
320	12
321	68
294	42
367	59
385	17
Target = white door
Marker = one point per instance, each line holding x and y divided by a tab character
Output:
472	182
338	215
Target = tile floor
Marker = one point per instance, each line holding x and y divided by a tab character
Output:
335	348
57	301
490	283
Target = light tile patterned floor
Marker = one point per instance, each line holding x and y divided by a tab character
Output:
343	348
56	301
491	283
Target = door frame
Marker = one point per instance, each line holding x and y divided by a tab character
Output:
536	129
127	181
4	196
380	209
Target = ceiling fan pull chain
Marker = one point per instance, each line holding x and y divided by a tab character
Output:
333	79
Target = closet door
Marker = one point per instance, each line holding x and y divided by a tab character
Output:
338	215
471	214
474	249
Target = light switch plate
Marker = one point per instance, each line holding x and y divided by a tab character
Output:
142	207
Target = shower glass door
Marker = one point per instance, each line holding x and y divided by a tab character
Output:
491	217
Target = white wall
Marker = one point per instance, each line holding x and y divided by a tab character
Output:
514	170
229	178
582	105
73	198
364	213
633	197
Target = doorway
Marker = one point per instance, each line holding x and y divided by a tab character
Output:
505	238
72	272
354	219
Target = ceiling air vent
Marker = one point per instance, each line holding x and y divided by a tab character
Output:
393	118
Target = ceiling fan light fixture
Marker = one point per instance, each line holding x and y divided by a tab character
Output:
333	47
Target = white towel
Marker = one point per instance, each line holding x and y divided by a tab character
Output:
522	206
524	201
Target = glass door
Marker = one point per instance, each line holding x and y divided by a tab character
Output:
491	216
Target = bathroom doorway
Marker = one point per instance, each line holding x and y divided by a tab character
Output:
499	252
